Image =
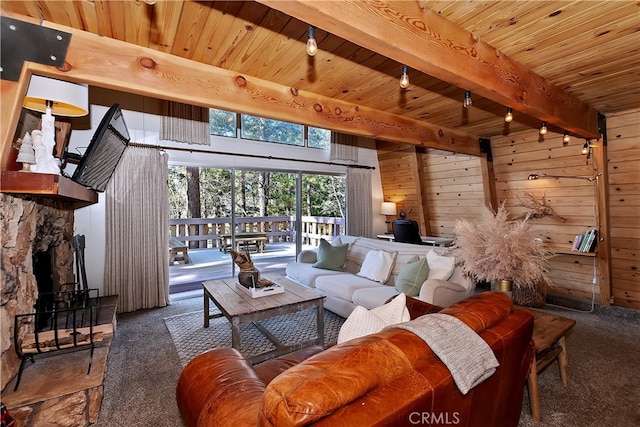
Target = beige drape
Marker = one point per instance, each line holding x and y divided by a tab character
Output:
343	147
137	205
359	212
185	123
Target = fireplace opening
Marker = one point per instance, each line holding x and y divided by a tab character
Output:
43	263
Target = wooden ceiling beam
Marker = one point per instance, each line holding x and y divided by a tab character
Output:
113	64
423	40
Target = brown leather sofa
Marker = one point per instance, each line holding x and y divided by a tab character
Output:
389	378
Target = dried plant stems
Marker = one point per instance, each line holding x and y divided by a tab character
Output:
498	248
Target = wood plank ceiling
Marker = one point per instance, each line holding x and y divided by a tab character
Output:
590	49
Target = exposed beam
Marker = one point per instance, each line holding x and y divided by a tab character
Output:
423	40
113	64
12	94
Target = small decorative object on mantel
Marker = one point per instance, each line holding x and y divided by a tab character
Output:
45	162
498	250
26	155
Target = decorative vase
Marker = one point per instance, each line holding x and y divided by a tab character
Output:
249	278
505	286
530	296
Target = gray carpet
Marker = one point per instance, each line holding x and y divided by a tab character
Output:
604	353
192	338
604	379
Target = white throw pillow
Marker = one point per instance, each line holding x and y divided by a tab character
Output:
440	267
363	322
377	265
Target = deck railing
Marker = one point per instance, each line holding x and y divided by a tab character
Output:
206	232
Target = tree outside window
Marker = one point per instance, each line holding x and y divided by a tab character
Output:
222	123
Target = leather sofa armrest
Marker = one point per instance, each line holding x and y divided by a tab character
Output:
271	368
308	256
219	387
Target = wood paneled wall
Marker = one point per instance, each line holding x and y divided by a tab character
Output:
572	200
434	187
623	130
445	187
453	189
401	180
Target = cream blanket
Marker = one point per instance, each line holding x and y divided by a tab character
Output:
467	356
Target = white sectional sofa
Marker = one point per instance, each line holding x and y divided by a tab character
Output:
346	289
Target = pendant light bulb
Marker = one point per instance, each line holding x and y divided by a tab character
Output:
543	128
509	116
566	138
585	148
404	77
312	45
467	99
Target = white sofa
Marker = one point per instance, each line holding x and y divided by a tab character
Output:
344	290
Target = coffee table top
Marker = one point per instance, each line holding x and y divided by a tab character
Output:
234	302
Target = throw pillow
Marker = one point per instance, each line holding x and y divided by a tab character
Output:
440	267
412	276
377	265
363	322
331	257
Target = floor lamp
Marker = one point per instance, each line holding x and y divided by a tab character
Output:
53	97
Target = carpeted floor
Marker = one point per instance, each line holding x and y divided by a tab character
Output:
191	338
603	348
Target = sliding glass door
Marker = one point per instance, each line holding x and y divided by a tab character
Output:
271	214
264	217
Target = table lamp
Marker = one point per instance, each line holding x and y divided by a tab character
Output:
52	96
388	208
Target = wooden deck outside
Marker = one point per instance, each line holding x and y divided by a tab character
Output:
211	263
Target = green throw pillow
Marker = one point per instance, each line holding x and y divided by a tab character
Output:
331	257
412	276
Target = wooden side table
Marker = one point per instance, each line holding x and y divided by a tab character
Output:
549	337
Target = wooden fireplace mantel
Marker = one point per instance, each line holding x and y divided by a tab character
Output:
47	185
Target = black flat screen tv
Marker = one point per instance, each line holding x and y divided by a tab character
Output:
104	152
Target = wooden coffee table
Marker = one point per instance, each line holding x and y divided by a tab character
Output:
240	308
549	337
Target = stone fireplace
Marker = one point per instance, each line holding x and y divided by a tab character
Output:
29	226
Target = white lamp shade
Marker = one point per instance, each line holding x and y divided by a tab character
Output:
69	99
388	208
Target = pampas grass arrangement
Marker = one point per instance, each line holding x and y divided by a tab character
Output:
498	248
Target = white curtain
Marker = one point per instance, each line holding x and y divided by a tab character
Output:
343	147
137	228
359	213
185	123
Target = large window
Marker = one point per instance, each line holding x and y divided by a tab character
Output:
211	208
257	193
225	123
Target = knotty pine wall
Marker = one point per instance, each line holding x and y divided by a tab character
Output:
623	130
571	199
453	189
441	187
400	176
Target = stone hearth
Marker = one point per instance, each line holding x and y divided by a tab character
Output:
55	388
29	226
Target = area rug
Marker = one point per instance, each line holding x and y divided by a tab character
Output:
191	338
